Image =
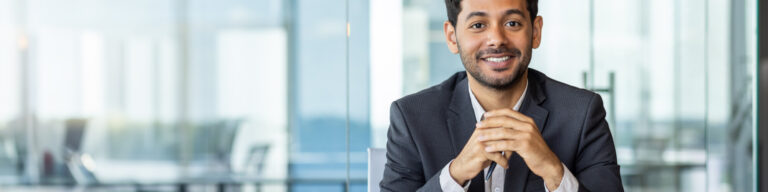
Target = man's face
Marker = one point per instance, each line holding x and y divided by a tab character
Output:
494	39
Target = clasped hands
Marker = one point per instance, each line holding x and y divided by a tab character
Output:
508	131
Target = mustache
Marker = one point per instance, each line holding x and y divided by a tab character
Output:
501	50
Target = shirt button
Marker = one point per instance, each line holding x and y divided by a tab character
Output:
497	189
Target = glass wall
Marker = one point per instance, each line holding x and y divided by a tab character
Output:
175	94
676	78
287	95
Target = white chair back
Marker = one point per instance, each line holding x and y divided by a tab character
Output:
377	157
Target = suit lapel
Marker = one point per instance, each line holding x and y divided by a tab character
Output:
461	118
517	174
461	124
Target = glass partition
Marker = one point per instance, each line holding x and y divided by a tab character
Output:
176	95
288	95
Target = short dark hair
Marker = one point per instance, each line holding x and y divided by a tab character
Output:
453	7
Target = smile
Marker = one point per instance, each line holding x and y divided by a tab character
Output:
497	59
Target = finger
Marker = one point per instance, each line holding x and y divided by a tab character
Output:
508	154
509	113
505	122
493	134
498	158
496	121
500	145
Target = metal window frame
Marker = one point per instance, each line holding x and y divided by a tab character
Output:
762	93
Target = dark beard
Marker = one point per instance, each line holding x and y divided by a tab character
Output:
470	64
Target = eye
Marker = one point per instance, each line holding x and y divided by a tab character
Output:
513	24
477	26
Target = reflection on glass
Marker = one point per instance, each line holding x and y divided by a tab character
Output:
145	93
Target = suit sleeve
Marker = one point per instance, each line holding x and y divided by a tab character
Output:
596	167
403	170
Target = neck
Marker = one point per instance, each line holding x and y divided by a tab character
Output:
493	99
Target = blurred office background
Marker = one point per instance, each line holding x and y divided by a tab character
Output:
287	95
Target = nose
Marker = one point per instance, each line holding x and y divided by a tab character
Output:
496	37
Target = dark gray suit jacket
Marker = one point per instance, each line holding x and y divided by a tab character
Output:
429	128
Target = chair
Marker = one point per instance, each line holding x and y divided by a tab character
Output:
254	165
73	139
377	157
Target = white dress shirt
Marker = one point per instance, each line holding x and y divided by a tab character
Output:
496	182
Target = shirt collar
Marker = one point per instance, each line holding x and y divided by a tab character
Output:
479	111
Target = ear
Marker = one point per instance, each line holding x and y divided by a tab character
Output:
450	37
538	24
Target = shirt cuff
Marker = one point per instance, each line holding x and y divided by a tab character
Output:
567	184
447	183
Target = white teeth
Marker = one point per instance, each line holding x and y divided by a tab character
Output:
497	59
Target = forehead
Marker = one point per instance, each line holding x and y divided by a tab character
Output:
491	7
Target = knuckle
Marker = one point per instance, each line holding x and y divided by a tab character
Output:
530	126
509	144
524	145
506	132
502	145
525	136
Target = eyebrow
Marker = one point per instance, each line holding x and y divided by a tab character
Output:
476	13
483	14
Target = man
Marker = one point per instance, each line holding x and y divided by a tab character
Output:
553	136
